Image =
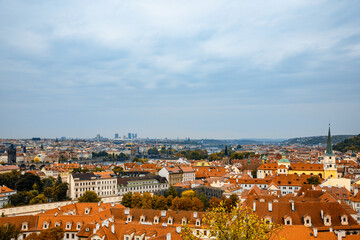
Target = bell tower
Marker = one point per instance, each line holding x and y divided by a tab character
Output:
329	161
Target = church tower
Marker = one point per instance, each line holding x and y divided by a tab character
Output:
329	160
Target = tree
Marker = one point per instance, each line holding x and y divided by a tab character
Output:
204	200
254	173
48	182
197	205
49	192
38	199
9	179
89	196
314	180
146	200
9	231
239	223
234	200
160	203
136	200
214	202
56	233
27	181
20	198
189	194
118	169
172	191
127	199
62	158
60	192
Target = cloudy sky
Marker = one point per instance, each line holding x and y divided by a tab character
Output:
162	68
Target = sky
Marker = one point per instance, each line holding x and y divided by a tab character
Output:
162	68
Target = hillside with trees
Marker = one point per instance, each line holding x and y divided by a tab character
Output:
352	144
316	140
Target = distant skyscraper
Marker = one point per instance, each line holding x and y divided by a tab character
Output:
12	154
98	137
116	135
135	135
129	135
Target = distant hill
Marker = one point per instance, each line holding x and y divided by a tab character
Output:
316	140
349	144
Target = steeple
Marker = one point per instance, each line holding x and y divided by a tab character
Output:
329	150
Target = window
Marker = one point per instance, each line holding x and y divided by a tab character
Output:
45	226
198	222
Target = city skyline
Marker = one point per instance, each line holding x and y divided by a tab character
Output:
217	69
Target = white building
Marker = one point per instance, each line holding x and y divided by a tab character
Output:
104	185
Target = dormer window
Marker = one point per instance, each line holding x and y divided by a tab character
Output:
87	211
327	220
142	218
46	225
24	226
287	220
170	220
68	225
307	221
268	219
344	219
184	221
129	218
57	224
78	226
156	220
198	222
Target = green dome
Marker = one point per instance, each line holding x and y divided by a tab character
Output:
284	160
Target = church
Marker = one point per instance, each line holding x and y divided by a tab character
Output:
325	169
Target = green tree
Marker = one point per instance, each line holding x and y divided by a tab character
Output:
118	169
48	182
314	180
89	196
204	200
49	192
62	158
27	181
38	199
254	173
9	179
9	231
61	191
172	191
127	199
20	198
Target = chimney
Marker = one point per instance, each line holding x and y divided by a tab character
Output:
293	206
340	234
254	206
168	236
322	214
315	232
113	228
270	207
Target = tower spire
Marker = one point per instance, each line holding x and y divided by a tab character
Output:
329	150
